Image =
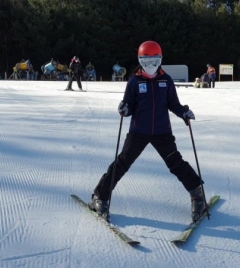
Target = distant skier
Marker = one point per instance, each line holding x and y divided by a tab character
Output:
211	74
76	69
90	72
149	94
205	80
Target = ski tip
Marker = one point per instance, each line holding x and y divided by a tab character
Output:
178	242
180	239
133	243
213	200
216	197
74	196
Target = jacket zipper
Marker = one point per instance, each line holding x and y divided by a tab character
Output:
153	107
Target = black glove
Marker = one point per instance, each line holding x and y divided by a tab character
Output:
123	108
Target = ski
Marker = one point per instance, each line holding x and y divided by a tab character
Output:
83	90
183	237
112	227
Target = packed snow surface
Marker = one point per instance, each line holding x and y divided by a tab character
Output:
54	143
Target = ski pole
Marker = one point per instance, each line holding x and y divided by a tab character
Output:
114	165
199	173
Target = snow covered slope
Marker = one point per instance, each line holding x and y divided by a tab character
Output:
55	143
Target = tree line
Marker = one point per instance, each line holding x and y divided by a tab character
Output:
191	32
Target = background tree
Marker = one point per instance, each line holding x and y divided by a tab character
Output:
191	32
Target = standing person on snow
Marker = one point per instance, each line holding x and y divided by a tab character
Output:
212	75
76	68
149	94
205	81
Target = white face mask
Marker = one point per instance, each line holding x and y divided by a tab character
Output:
150	64
150	70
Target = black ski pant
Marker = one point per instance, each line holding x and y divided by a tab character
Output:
133	146
77	76
212	82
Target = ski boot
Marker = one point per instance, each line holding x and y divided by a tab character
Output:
198	203
100	207
69	89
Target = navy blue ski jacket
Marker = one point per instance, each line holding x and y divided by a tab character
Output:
149	102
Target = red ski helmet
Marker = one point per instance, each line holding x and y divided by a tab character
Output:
149	48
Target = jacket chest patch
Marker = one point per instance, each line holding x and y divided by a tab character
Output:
142	88
162	84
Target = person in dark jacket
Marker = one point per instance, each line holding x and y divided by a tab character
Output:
212	75
149	96
205	80
75	71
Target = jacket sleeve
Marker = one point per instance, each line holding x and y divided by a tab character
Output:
71	66
174	104
129	96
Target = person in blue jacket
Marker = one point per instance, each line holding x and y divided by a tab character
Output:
149	96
